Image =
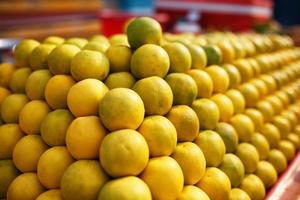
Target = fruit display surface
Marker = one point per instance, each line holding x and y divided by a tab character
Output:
149	115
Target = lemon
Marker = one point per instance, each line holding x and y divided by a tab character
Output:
10	134
4	92
191	160
84	97
215	184
261	144
50	195
118	39
260	86
19	79
120	80
270	82
119	58
256	117
254	187
101	39
6	72
8	173
54	40
12	106
243	126
225	106
199	59
125	188
278	160
238	194
149	60
143	30
214	54
164	178
95	46
272	134
203	81
156	94
219	77
22	52
207	112
276	103
267	173
245	69
124	153
282	124
84	137
295	139
191	192
234	75
212	147
185	121
52	165
266	109
76	41
237	99
228	52
38	58
248	155
82	180
250	93
183	87
228	135
287	148
98	65
291	116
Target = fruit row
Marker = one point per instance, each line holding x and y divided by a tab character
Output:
146	115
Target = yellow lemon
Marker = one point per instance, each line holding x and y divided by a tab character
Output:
39	56
95	46
276	103
3	94
100	39
250	93
270	82
267	173
266	109
248	155
228	135
54	40
272	134
118	39
50	195
22	52
19	79
8	173
120	80
199	59
12	106
219	77
119	58
237	99
191	192
245	69
76	41
243	126
203	81
295	139
6	72
277	159
238	194
256	117
261	144
234	75
287	148
254	187
283	125
260	86
225	106
228	52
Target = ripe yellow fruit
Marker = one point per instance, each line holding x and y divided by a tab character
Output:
98	65
150	60
238	194
82	180
156	95
270	82
100	39
250	93
6	72
3	94
245	69
84	137
25	186
276	103
160	135
54	127
267	173
191	192
76	41
283	97
212	147
291	116
248	155
143	30
215	184
118	39
32	115
59	59
50	195
27	152
22	52
295	139
214	54
287	148
207	112
225	106
95	46
272	134
261	144
228	52
19	79
243	126
203	81
283	125
39	56
219	77
84	97
120	80
237	99
256	117
55	95
234	75
260	86
199	59
10	134
183	87
125	188
12	106
191	160
266	109
54	40
8	173
36	83
185	121
254	187
52	165
124	153
180	57
278	160
233	167
228	135
164	178
119	58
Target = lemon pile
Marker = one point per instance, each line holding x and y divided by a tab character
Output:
148	115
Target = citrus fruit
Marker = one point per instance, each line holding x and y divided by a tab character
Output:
266	109
295	139
248	155
84	97
219	77
125	188
191	192
228	135
276	103
164	178
277	159
4	92
50	195
238	194
250	93
76	41
6	72
199	59
212	147
270	82
191	160
234	75
84	137
100	39
95	46
19	79
38	58
124	153
267	173
11	107
82	180
120	80
253	186
54	40
8	173
260	86
215	184
183	87
245	69
261	144
98	65
22	52
237	99
52	165
214	54
119	58
149	60
185	121
282	124
271	133
207	112
225	106
203	81
256	117
10	134
243	126
143	30
118	39
287	148
156	95
291	116
228	52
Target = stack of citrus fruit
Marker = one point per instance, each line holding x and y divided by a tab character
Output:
146	115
